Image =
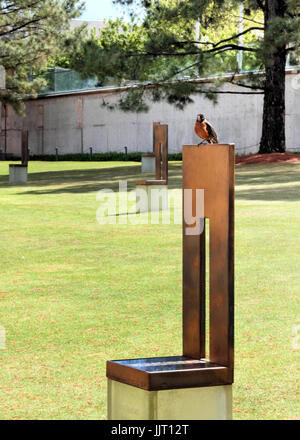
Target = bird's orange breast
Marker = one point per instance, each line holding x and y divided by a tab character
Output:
201	130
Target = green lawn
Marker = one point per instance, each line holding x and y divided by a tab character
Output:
75	293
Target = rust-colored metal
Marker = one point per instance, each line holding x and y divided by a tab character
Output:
167	372
153	127
148	155
209	168
160	136
160	152
24	148
151	182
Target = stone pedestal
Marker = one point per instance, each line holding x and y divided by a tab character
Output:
17	174
126	402
151	197
148	163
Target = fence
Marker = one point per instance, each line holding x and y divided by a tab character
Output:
60	80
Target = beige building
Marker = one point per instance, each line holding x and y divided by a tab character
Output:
75	121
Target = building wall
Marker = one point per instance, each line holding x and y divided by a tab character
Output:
73	123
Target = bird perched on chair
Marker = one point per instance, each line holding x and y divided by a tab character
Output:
205	130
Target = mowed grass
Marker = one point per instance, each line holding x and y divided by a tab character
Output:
75	293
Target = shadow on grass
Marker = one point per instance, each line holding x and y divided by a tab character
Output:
77	181
281	182
288	193
63	177
88	180
278	176
95	179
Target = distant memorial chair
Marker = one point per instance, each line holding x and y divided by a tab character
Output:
18	172
160	158
148	159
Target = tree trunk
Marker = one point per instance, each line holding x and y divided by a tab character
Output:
273	128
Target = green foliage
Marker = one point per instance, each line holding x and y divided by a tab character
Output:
30	33
158	51
98	157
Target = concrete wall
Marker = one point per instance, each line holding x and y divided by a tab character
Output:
77	121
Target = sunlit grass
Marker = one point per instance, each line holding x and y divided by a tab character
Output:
75	293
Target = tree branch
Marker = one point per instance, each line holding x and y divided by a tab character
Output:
8	9
261	5
246	86
215	50
240	34
233	93
12	30
249	19
222	92
221	41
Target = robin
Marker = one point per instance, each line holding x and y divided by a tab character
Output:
205	130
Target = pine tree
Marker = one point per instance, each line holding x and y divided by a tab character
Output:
162	55
30	32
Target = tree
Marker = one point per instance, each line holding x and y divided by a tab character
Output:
30	32
164	57
282	26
